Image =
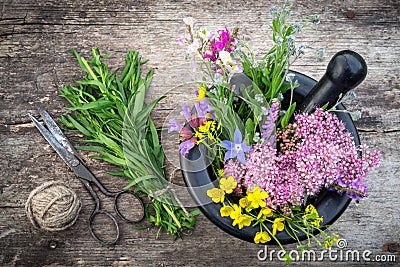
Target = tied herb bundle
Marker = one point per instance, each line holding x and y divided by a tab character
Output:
110	111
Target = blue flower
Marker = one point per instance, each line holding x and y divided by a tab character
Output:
237	148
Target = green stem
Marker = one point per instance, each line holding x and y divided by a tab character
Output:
172	215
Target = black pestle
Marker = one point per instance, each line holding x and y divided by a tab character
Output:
345	71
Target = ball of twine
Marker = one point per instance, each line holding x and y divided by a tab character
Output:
53	207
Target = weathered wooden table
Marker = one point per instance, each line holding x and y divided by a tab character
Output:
34	63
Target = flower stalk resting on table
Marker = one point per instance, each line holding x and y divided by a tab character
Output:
109	110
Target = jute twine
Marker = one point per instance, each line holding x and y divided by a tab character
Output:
171	189
53	207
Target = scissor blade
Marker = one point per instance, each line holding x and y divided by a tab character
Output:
55	130
67	156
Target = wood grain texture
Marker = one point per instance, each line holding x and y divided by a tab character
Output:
34	38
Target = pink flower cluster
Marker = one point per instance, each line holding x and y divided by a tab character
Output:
224	41
237	170
314	152
274	173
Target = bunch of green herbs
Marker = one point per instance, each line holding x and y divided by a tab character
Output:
109	109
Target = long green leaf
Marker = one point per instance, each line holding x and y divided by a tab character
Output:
98	104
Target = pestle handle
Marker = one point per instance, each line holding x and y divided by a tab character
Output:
345	71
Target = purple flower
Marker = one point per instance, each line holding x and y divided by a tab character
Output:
355	190
174	125
237	148
202	108
269	125
210	55
186	112
225	40
186	146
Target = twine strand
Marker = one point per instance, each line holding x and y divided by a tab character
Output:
169	188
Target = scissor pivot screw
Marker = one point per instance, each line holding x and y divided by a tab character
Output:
52	244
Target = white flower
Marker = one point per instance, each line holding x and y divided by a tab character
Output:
264	111
225	57
259	98
189	21
193	46
205	35
290	77
233	69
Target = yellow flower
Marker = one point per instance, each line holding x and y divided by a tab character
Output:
262	237
211	125
265	212
227	184
238	218
226	211
256	198
203	129
278	225
221	172
317	222
243	202
242	221
217	195
207	128
335	237
312	214
236	213
329	241
311	209
199	135
201	93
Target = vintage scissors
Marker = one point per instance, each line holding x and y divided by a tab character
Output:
63	147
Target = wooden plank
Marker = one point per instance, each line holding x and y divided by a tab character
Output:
34	38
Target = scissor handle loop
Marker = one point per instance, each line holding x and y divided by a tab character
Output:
121	214
109	215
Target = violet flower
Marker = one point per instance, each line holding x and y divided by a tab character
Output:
202	108
174	126
186	112
237	148
355	190
186	146
269	125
